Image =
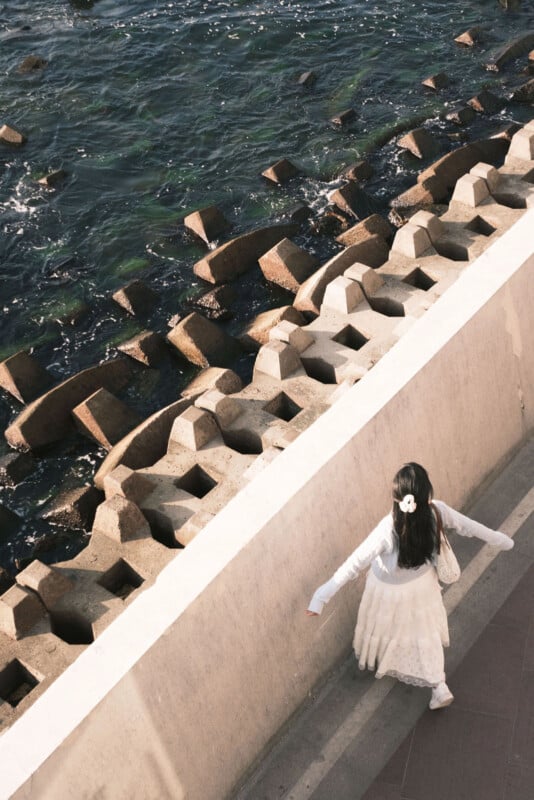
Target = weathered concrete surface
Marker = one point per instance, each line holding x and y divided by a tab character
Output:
511	50
373	252
374	224
48	418
203	342
256	333
147	347
145	444
235	257
207	223
104	418
288	265
23	377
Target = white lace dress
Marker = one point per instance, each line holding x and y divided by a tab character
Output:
402	623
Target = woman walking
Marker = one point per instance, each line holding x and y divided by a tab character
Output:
402	623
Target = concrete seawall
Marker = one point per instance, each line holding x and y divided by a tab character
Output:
182	691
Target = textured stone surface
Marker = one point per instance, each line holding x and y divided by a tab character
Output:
419	142
288	265
277	359
104	418
257	332
49	418
225	380
438	81
136	298
48	582
74	508
23	377
238	255
14	467
280	172
120	519
20	611
193	429
202	342
130	484
411	241
207	223
147	347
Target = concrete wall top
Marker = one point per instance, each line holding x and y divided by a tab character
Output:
65	724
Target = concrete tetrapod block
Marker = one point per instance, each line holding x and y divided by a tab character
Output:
225	409
136	298
369	280
202	342
20	610
372	225
288	265
74	508
419	142
225	380
49	418
11	136
235	257
297	337
488	173
147	347
207	223
104	418
257	332
48	582
121	520
14	467
23	377
430	222
145	444
522	145
277	359
132	485
373	252
471	191
342	295
411	241
193	429
280	172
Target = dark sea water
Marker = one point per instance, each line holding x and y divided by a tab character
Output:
157	109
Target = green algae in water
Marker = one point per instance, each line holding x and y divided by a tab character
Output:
29	343
344	96
66	310
128	330
130	266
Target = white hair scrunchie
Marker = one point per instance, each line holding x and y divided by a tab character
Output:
408	504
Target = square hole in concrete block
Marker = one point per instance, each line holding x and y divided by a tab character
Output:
386	306
121	579
16	681
350	337
72	627
197	482
282	407
529	177
479	225
242	440
319	369
419	280
452	250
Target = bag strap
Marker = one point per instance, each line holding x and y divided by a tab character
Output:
441	532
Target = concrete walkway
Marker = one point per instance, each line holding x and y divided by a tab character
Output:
363	739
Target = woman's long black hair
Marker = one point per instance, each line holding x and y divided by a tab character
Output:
417	532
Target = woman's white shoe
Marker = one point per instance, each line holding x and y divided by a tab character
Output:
441	697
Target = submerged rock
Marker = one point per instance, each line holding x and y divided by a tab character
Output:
14	467
525	93
352	200
147	347
307	79
438	81
511	50
214	304
32	64
485	102
344	117
462	115
360	171
470	37
53	179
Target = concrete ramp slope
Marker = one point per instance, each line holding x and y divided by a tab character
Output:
235	257
145	444
48	419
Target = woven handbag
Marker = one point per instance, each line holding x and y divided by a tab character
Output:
446	563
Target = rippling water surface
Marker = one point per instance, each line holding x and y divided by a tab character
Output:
154	110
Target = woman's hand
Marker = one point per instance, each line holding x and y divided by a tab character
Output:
311	614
